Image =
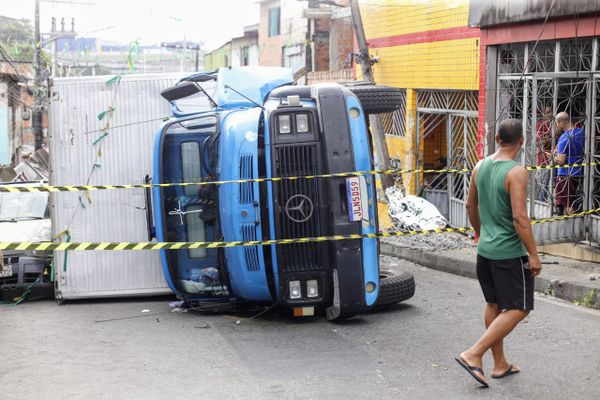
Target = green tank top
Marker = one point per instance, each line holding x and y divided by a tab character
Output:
498	239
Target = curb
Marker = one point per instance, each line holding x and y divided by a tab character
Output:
569	291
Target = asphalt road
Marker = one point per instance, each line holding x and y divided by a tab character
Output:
111	350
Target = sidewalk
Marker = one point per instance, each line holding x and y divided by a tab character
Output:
567	279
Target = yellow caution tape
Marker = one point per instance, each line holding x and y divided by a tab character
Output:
120	246
563	217
209	245
73	188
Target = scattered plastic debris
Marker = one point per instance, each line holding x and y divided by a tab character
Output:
175	304
412	212
145	310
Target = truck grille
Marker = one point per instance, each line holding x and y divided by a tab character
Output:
250	252
246	192
301	198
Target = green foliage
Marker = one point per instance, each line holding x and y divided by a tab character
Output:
115	79
17	38
588	299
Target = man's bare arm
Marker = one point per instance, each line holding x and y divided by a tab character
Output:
517	188
560	158
473	201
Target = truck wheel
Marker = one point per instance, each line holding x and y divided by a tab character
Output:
378	99
393	289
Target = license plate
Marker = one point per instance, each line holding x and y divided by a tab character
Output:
6	271
356	189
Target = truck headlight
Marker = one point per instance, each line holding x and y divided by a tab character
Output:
295	290
284	124
302	123
312	288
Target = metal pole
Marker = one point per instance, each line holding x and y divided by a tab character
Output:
381	150
38	92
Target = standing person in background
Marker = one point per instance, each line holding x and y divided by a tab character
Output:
497	209
544	153
570	149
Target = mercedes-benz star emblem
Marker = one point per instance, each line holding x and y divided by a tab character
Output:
299	208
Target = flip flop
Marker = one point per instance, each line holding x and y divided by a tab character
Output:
506	373
471	370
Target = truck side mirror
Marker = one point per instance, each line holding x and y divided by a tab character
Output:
180	91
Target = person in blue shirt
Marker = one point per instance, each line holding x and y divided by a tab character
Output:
570	149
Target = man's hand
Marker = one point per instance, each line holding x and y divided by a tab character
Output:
535	265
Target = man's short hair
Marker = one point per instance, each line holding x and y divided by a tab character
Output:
563	117
510	131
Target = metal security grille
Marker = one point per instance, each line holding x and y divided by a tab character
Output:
447	132
394	123
534	85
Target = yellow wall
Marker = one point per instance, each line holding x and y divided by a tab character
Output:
451	64
419	63
218	58
398	17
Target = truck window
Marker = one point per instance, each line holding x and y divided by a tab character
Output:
191	167
192	172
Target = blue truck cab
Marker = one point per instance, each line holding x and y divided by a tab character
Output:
249	123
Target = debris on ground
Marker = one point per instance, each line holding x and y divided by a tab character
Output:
412	212
176	304
435	241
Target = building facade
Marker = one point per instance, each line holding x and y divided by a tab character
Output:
17	140
428	49
244	49
218	58
313	38
542	57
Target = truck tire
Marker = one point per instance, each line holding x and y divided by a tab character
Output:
393	289
378	99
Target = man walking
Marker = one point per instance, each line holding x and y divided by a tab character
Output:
570	150
496	206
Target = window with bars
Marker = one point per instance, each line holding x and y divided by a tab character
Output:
394	123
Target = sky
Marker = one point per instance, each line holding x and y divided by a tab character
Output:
213	22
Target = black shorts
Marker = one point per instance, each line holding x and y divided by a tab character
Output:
507	283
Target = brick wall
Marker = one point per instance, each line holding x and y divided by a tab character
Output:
270	47
341	41
339	75
321	44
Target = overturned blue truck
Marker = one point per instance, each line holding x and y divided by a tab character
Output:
239	124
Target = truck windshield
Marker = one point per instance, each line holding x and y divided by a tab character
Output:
190	212
23	206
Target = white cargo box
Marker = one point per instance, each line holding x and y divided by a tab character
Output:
126	158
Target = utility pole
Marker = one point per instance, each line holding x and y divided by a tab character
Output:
381	150
38	92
